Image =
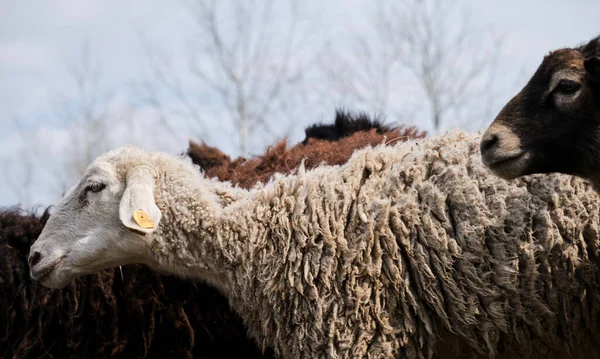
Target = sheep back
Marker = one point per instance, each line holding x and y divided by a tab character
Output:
407	243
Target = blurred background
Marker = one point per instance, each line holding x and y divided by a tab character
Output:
78	78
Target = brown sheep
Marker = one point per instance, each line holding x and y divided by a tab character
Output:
132	314
553	123
350	132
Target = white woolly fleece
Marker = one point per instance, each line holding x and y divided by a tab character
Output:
384	255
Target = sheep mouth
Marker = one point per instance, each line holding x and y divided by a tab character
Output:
510	166
45	272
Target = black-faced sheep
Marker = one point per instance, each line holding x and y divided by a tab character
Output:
374	258
346	124
553	123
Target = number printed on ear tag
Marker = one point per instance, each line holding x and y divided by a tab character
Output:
143	219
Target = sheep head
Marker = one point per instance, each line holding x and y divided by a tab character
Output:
101	222
553	123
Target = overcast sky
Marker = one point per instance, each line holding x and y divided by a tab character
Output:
38	36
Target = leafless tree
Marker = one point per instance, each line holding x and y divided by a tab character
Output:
90	124
248	58
421	57
362	74
87	115
83	110
453	60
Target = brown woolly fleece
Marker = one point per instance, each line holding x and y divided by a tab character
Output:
381	256
246	172
141	314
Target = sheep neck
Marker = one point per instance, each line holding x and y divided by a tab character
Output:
206	239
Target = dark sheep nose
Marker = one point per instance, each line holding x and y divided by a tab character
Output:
34	258
488	142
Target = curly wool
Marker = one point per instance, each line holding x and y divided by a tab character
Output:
402	244
313	151
144	314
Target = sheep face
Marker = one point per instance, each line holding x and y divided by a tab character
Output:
101	222
553	123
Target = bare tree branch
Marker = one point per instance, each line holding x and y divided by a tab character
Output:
414	53
446	53
250	56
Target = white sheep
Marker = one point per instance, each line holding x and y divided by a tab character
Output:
375	258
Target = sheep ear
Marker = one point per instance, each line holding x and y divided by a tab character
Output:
138	210
592	67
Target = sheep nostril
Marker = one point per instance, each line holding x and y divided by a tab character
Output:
489	142
34	258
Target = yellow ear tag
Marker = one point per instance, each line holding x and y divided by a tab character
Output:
143	219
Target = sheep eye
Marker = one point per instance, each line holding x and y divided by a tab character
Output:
95	187
567	87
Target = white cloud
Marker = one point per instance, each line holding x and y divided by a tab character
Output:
27	56
80	12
